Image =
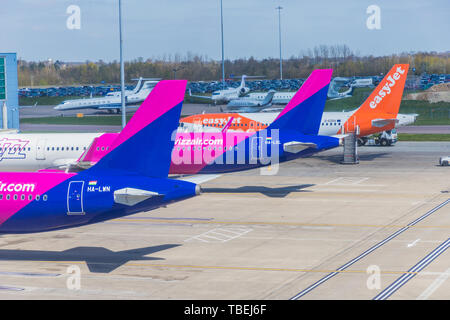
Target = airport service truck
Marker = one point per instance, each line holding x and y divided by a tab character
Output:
385	138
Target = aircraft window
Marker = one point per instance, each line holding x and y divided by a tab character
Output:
72	148
22	197
38	197
53	148
1	196
29	149
15	197
8	196
107	148
44	197
103	148
84	148
98	149
57	149
30	197
77	148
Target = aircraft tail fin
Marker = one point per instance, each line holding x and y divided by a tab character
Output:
145	145
304	111
268	98
384	101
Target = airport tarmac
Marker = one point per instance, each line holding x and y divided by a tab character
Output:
315	230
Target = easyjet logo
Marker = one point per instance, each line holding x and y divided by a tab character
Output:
17	187
220	121
386	89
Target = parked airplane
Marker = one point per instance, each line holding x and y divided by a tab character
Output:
112	101
226	95
297	124
379	112
246	104
291	135
122	182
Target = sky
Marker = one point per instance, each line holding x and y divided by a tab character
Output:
37	29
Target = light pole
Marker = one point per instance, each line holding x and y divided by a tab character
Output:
279	37
122	70
221	28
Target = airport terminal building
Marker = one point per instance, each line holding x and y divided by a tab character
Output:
9	99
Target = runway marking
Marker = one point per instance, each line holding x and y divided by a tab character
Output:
6	288
296	224
238	268
347	181
220	234
367	252
412	244
434	286
397	284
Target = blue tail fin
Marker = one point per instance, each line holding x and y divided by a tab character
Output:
304	112
145	144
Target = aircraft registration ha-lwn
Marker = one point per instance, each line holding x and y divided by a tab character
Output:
293	134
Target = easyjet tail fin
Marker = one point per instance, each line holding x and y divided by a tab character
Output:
384	101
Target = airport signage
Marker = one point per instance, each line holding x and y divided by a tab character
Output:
2	79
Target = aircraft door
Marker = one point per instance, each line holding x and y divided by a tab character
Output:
40	149
256	147
75	198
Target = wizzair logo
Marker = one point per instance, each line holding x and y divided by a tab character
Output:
12	148
198	141
17	187
386	89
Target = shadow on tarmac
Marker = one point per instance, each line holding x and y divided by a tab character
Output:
98	259
269	192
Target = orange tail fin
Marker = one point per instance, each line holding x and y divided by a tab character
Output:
382	104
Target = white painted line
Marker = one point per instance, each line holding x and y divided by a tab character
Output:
367	252
434	286
412	244
393	287
220	235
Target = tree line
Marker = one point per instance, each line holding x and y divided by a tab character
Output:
194	67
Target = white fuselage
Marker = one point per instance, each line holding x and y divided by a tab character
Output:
110	101
33	151
278	98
